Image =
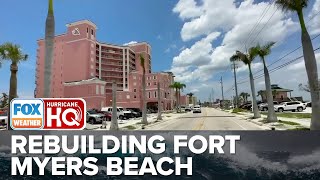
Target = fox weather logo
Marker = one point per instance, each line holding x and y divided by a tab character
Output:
27	114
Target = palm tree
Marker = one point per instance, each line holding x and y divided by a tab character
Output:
12	52
178	87
263	51
309	58
49	43
190	97
260	93
114	118
245	96
144	104
247	59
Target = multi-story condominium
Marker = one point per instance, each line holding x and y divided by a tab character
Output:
86	68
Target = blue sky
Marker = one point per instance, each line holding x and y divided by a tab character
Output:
118	22
164	25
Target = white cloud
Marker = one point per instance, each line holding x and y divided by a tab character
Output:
129	43
198	54
187	9
202	61
315	23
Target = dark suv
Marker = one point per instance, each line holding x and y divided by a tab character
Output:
135	111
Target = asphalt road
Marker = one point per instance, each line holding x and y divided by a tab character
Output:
208	119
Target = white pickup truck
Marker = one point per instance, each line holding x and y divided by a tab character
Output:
121	112
290	106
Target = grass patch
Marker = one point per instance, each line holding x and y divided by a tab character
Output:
289	123
130	127
237	110
292	115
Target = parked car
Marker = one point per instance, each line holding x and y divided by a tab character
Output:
188	109
196	109
135	111
264	106
94	117
121	113
3	118
290	106
107	115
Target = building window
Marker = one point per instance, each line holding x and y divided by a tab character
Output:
91	31
102	90
149	84
134	90
135	96
97	89
155	94
155	83
149	95
154	77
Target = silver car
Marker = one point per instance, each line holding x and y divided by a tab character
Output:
196	109
93	117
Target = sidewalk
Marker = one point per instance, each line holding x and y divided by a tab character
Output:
283	124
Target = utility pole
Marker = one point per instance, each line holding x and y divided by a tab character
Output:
235	84
222	102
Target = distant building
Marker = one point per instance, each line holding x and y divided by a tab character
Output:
279	94
86	68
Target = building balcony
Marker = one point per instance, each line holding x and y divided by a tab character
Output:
113	76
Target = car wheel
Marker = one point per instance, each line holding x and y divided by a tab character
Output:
92	121
121	117
280	110
300	109
265	109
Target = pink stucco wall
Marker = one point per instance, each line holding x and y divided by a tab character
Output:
77	58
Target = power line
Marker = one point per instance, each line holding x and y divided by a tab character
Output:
264	25
274	69
266	9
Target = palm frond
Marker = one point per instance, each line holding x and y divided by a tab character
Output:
292	5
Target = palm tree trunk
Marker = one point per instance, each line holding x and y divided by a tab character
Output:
144	104
177	98
114	119
13	87
49	48
256	113
159	103
312	72
271	113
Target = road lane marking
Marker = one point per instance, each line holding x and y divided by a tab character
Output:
237	124
200	125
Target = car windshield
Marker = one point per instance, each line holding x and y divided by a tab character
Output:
121	109
92	112
282	103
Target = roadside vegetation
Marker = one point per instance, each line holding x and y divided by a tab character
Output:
293	115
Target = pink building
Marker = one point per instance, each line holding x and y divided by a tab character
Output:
86	68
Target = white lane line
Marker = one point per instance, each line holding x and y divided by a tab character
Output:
237	124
